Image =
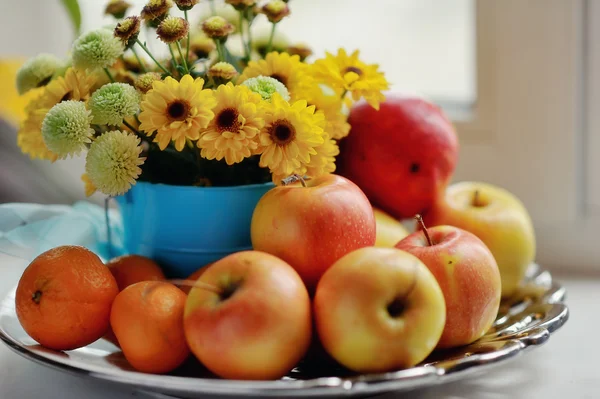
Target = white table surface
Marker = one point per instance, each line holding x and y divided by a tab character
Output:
565	367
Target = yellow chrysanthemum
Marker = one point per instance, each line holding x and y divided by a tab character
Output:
233	133
290	137
331	105
177	111
29	136
347	72
76	85
90	188
323	161
281	66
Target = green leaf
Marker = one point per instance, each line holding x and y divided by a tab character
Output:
72	7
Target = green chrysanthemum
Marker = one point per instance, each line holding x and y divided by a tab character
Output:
111	103
113	162
66	128
266	87
37	72
96	49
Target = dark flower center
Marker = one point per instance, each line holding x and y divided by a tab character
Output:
68	95
282	132
280	78
178	110
355	70
227	120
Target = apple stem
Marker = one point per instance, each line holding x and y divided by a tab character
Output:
294	179
476	198
419	220
199	284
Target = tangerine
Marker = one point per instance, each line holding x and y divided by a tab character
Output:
64	298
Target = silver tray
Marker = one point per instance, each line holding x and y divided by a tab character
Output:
524	322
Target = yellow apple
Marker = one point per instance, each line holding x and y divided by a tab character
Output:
498	218
379	309
389	231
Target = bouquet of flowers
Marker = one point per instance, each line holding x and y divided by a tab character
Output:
205	115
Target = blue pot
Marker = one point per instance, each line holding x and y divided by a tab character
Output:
184	228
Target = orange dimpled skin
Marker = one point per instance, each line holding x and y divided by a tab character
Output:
131	269
147	319
64	298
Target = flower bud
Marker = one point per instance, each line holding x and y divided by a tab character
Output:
241	4
302	50
117	8
186	5
275	10
144	82
128	31
172	29
223	71
155	11
217	28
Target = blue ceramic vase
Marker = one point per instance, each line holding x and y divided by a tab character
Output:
185	228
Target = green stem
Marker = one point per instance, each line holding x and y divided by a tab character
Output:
134	130
139	60
187	50
220	50
270	44
151	56
242	12
109	75
344	93
185	66
250	18
213	9
175	63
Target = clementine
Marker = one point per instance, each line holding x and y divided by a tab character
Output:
131	269
147	319
64	298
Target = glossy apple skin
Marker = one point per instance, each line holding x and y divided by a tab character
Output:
402	156
468	275
389	230
258	333
312	227
351	316
503	224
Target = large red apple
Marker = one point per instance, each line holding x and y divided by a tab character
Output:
249	317
402	156
468	276
312	227
379	309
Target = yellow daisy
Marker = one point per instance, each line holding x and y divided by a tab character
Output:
323	162
329	102
233	132
76	85
348	73
290	136
29	136
90	188
288	69
177	110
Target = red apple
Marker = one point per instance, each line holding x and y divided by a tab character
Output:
469	277
248	317
311	227
379	309
402	156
